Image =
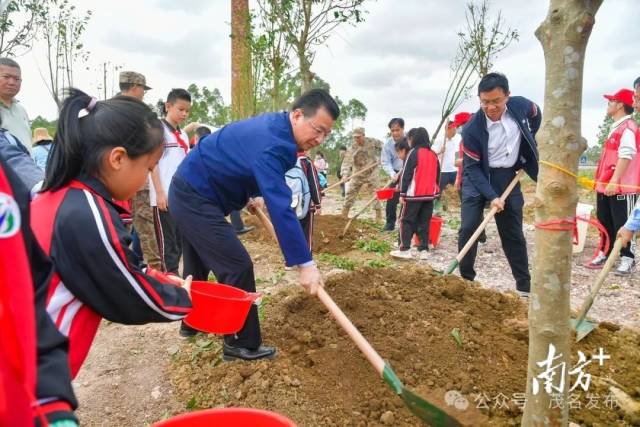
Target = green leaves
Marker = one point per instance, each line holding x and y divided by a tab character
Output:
374	245
455	333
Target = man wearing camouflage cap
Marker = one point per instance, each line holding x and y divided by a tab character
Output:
133	84
362	153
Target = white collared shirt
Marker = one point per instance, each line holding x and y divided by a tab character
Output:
627	147
504	141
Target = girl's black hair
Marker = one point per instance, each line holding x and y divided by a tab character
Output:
81	142
419	137
403	144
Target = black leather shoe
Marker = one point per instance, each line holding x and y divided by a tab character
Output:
187	331
244	230
388	227
483	237
240	353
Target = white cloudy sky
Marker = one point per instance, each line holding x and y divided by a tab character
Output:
397	62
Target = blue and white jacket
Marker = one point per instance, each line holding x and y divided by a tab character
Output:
475	147
246	159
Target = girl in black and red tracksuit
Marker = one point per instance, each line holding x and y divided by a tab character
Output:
418	189
315	191
103	151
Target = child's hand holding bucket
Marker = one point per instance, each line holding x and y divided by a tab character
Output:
186	285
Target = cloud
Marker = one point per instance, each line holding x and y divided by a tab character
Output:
186	57
192	7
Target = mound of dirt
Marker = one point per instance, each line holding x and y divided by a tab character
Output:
319	378
326	233
451	197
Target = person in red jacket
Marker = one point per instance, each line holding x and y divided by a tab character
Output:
103	151
418	189
618	177
24	272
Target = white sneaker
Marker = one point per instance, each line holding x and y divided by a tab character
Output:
423	255
597	262
625	267
401	254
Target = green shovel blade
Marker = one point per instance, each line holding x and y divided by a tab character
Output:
582	328
422	409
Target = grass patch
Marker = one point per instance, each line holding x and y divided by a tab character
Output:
370	223
378	263
338	261
454	223
373	245
263	303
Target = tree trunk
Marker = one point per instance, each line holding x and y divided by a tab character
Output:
241	75
564	35
305	72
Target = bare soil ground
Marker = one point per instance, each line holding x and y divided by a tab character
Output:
126	380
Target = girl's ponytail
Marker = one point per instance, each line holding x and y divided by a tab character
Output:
67	153
87	129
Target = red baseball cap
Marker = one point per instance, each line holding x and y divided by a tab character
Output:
460	119
623	95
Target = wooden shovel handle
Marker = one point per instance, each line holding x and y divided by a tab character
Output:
266	223
588	302
372	356
488	217
360	172
355	335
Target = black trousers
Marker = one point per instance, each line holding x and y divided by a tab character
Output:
414	219
391	209
211	244
169	240
509	223
612	212
307	228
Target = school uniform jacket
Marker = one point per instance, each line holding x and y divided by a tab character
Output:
475	145
419	178
95	272
25	326
246	159
315	191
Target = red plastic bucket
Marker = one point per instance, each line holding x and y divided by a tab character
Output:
435	228
385	193
218	308
228	417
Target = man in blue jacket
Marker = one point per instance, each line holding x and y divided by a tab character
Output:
497	142
244	163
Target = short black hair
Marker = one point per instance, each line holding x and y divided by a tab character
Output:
311	100
493	80
8	62
396	121
627	109
403	144
176	94
202	131
636	82
419	138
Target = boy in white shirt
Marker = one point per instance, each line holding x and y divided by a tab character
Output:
446	150
176	147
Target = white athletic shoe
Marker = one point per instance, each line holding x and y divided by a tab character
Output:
423	255
625	267
401	254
